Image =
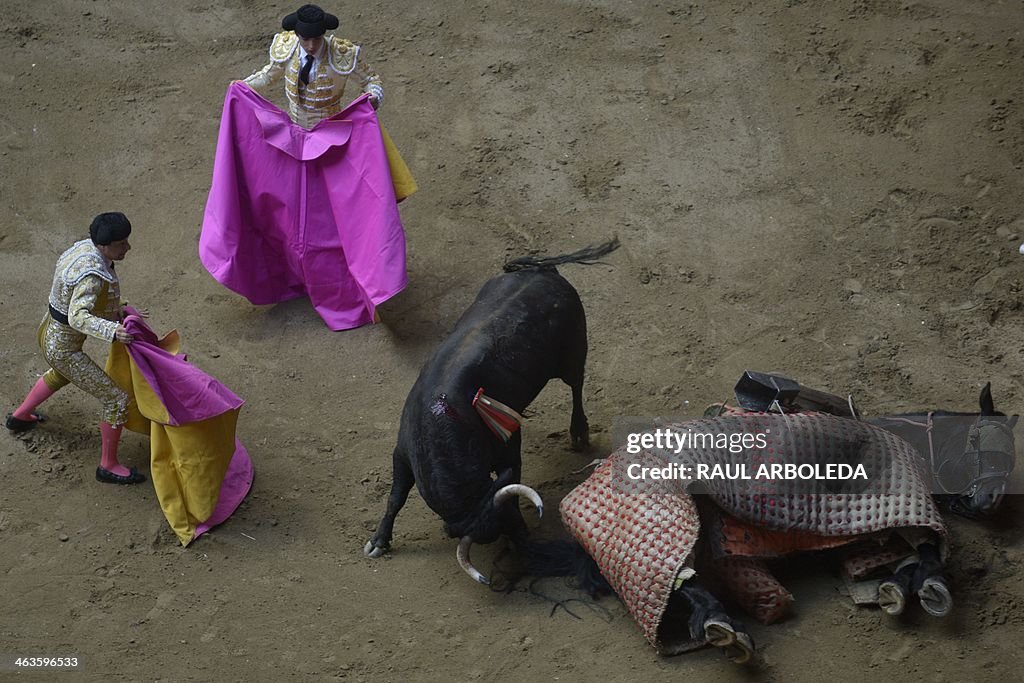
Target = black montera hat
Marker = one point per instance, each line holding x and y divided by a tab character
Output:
310	21
109	227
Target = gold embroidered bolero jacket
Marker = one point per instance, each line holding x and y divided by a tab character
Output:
338	61
86	289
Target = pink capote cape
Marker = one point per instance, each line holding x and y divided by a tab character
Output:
200	471
295	212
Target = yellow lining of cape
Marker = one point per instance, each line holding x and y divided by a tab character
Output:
187	462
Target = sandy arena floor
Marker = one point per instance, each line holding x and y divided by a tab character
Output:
828	189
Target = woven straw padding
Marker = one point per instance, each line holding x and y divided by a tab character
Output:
642	533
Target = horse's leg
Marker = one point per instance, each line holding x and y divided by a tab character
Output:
710	622
929	584
894	591
923	578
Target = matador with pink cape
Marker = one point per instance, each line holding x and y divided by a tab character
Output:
304	202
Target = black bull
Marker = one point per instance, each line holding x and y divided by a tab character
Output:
526	327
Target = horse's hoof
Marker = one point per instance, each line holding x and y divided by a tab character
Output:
891	598
935	597
742	651
719	633
737	645
373	551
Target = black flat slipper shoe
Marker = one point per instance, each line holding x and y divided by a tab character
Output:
108	477
16	425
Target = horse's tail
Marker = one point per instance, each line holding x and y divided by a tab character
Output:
586	257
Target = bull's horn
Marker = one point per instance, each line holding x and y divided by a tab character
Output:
462	555
519	490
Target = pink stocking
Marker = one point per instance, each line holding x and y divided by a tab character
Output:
39	393
111	437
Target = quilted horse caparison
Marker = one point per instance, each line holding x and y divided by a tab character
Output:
643	532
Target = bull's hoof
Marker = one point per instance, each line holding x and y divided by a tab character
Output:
892	598
373	550
935	597
581	442
737	645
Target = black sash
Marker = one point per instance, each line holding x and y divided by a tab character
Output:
59	317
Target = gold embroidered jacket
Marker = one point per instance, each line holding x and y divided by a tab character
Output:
86	289
337	61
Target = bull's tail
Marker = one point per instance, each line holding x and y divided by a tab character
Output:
564	558
586	257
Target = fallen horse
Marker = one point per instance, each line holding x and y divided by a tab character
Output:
662	543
